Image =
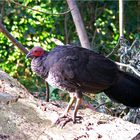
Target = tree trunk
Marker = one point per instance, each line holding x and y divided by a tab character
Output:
121	17
79	24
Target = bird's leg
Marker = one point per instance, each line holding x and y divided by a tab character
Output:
47	92
73	98
78	96
64	115
77	105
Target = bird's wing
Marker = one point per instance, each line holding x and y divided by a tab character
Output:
87	68
82	67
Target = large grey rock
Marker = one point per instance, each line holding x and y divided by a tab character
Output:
22	119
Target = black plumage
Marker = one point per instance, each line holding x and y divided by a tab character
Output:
126	90
78	70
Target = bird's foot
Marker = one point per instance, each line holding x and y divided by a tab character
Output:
63	120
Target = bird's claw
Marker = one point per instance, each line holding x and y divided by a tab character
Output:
63	120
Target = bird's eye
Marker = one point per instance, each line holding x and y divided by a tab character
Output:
35	51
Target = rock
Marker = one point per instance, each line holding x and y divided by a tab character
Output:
23	119
6	98
12	86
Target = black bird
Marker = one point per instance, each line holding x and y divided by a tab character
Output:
78	70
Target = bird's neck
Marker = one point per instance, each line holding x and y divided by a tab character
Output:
38	65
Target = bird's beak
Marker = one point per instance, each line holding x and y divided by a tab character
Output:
29	55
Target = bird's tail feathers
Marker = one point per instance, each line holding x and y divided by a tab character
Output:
125	90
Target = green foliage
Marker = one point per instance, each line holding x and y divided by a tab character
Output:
32	28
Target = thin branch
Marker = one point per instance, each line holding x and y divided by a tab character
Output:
100	105
132	68
94	35
114	48
12	39
2	11
92	98
133	44
27	7
66	30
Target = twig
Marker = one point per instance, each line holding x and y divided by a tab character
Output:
114	48
101	105
133	44
95	32
66	30
92	98
129	66
39	10
94	35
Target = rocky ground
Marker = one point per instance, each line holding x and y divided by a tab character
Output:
22	118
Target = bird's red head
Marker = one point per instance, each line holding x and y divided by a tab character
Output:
35	52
